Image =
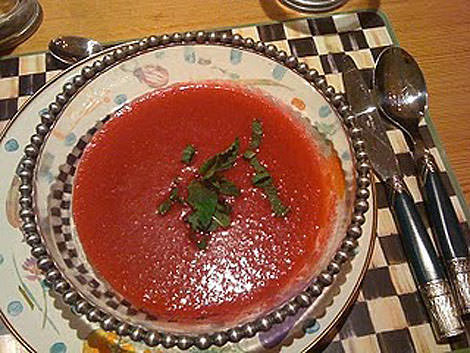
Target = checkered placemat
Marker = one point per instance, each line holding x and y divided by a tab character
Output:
388	315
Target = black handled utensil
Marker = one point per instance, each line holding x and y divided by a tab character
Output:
427	270
401	93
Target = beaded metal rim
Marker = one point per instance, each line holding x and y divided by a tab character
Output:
153	338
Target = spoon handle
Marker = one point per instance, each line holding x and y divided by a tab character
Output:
447	231
425	265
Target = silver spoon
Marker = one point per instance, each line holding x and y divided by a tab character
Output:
71	49
401	94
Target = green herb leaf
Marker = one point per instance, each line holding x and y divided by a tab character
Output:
213	226
278	208
261	179
228	188
228	157
221	161
164	207
203	201
209	167
222	219
188	154
174	194
224	186
193	220
202	243
256	134
257	166
249	154
223	207
209	211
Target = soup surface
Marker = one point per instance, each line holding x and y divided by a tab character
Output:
152	259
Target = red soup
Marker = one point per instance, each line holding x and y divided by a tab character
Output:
126	172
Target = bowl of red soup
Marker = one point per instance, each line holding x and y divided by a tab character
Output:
193	190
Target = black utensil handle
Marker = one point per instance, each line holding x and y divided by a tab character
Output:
425	265
417	245
442	215
447	231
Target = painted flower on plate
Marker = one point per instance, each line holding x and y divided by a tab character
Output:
30	266
152	75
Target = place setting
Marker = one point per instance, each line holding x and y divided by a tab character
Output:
266	188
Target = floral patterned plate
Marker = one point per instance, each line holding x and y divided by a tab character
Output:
39	319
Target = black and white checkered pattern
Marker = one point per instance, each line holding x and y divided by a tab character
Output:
388	315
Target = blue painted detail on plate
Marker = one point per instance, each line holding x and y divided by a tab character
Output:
236	56
189	55
3	329
313	328
324	111
279	72
345	156
43	110
272	338
159	54
12	145
2	259
15	308
58	347
44	284
45	170
49	177
326	129
120	99
70	139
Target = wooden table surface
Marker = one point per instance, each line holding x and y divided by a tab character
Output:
434	31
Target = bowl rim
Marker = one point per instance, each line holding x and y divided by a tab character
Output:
304	299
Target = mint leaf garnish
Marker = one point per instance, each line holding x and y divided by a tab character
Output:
208	212
262	178
222	219
188	154
203	200
228	188
249	154
221	161
256	134
223	207
224	186
206	192
202	243
257	166
174	194
166	204
278	208
164	207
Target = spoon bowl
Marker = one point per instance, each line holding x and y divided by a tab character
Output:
400	89
71	49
